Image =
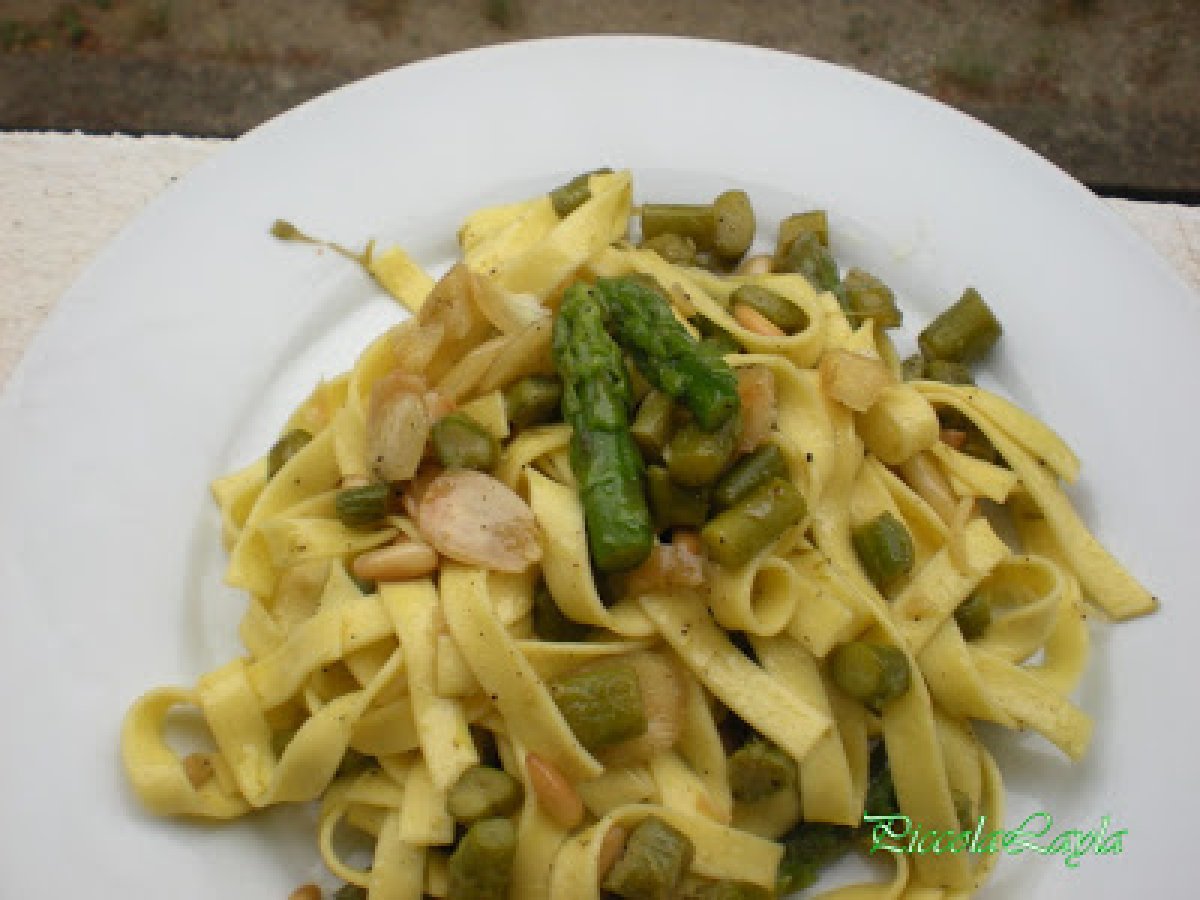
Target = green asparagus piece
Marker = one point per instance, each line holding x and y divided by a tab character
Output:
484	793
569	197
713	338
705	889
606	462
884	548
677	249
810	258
913	367
870	673
695	222
350	892
740	533
974	615
481	866
673	505
866	297
534	400
776	309
285	448
948	372
964	809
720	345
666	354
977	443
363	507
748	474
881	791
759	769
696	458
602	704
814	222
654	863
807	849
550	624
651	427
725	226
733	224
461	443
963	333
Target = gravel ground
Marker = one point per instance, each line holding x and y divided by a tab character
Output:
1108	89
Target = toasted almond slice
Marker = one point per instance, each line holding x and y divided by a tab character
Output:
475	519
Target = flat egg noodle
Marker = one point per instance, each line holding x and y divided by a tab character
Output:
424	819
760	700
758	597
681	789
401	276
971	477
551	660
559	515
1103	578
1031	590
494	234
397	867
875	491
908	727
446	743
528	447
720	852
155	771
823	617
940	586
543	268
539	840
294	540
827	788
701	748
236	719
312	470
803	348
529	713
770	817
618	786
804	433
235	495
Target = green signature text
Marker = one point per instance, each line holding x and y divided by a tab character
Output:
898	834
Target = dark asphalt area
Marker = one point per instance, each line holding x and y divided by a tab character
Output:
1107	89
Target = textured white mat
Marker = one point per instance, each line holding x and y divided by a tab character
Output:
64	196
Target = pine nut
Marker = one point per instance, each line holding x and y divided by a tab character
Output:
306	892
754	265
754	321
610	850
199	769
401	561
556	795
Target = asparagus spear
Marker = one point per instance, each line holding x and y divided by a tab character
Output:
596	402
666	354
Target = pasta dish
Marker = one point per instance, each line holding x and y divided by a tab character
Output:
643	569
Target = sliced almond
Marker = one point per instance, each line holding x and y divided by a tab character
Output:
475	519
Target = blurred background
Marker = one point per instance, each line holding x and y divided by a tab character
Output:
1107	89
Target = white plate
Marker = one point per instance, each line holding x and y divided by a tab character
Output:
178	353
